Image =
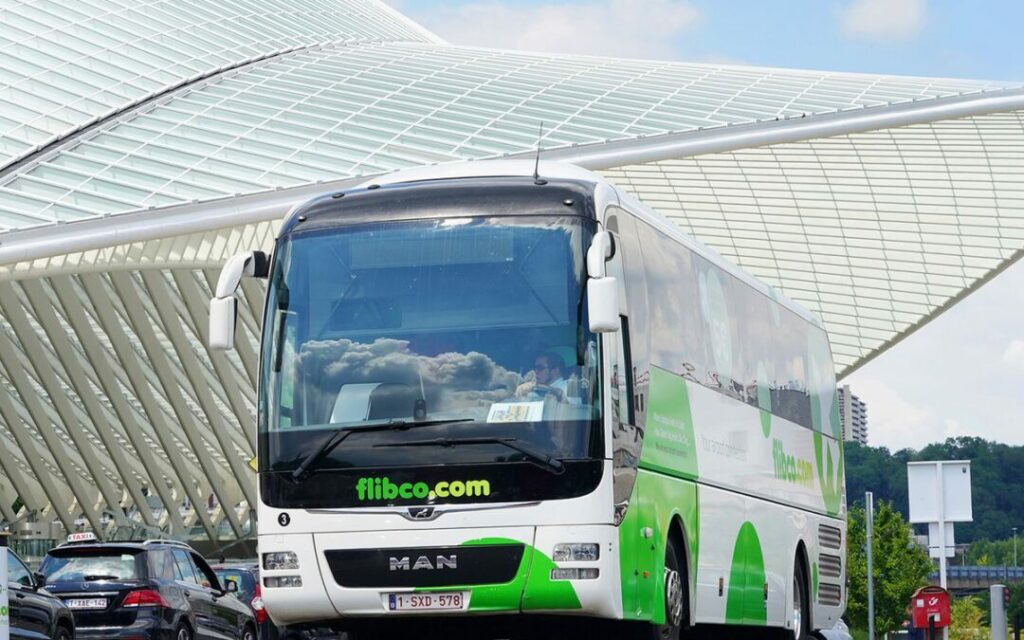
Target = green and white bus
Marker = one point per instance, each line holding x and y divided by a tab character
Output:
485	390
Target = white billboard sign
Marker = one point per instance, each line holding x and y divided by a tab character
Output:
924	484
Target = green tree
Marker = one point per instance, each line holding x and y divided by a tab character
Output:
997	482
1016	607
966	620
900	567
992	553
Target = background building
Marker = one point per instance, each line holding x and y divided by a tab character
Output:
853	415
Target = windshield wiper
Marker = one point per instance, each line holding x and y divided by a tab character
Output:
93	578
336	438
551	463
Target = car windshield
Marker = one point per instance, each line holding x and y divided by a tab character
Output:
91	565
468	327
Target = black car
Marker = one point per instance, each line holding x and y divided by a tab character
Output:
153	590
243	580
34	614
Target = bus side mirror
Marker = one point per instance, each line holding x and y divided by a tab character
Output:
603	304
602	248
602	290
224	305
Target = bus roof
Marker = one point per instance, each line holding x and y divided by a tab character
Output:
486	169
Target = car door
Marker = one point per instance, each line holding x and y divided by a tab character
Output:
200	602
30	612
227	612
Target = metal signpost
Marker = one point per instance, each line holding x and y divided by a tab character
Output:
869	508
940	494
5	618
997	614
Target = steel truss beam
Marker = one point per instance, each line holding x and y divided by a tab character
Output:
99	297
130	296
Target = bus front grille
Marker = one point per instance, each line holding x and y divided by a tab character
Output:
425	566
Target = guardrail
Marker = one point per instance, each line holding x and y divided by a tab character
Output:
966	577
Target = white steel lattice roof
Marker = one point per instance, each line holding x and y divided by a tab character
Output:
67	63
353	110
877	232
142	143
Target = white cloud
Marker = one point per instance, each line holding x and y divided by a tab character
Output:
885	20
1014	354
621	28
893	421
955	429
898	423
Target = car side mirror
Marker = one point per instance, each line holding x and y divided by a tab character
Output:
39	579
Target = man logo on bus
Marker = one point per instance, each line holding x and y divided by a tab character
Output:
384	489
423	562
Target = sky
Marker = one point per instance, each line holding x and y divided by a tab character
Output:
963	373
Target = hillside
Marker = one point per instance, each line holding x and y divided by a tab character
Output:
997	475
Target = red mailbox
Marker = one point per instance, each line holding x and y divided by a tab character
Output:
930	603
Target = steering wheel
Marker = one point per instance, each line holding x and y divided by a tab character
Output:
545	390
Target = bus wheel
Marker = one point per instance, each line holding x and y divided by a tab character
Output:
675	596
801	606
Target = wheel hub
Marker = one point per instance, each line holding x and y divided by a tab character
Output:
673	598
798	610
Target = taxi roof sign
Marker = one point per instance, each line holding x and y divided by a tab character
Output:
83	536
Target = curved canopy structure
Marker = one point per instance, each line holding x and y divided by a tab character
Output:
139	148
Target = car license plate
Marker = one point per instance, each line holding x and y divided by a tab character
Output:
446	601
87	603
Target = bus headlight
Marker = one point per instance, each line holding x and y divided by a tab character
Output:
280	560
574	574
576	552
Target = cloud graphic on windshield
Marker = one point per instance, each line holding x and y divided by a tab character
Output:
450	381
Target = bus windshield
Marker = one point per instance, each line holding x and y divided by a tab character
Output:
466	335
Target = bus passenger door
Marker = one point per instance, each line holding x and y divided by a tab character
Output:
625	437
639	531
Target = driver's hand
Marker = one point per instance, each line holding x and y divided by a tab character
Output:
526	388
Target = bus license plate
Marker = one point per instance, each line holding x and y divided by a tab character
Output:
447	601
86	603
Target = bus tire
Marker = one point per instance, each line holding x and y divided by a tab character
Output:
801	603
676	597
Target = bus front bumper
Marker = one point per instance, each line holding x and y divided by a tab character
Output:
481	571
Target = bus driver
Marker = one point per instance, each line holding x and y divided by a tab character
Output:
548	379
